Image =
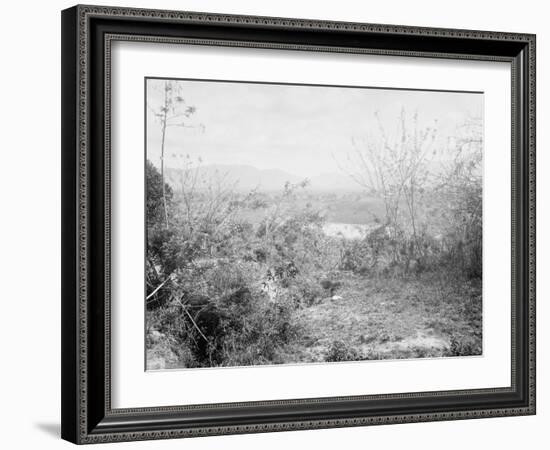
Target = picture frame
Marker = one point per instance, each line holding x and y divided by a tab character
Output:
88	33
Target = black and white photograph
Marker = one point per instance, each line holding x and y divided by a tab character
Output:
293	224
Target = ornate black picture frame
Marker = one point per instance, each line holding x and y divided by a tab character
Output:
87	35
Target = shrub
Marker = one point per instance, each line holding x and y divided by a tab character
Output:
221	316
305	290
464	346
154	202
339	351
259	337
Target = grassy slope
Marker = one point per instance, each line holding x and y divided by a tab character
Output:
378	319
398	319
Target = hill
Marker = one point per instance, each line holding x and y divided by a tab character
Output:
247	177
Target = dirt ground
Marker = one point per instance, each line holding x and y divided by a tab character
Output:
369	319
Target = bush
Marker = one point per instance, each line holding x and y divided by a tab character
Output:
339	351
220	317
304	290
381	252
259	337
464	346
356	257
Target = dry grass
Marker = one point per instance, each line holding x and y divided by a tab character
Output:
402	318
369	319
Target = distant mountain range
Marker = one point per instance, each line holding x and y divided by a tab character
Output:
248	177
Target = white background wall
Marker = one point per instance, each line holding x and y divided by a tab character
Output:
30	225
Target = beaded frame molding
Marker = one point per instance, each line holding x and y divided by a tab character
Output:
87	35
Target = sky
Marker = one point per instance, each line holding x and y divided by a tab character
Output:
303	130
